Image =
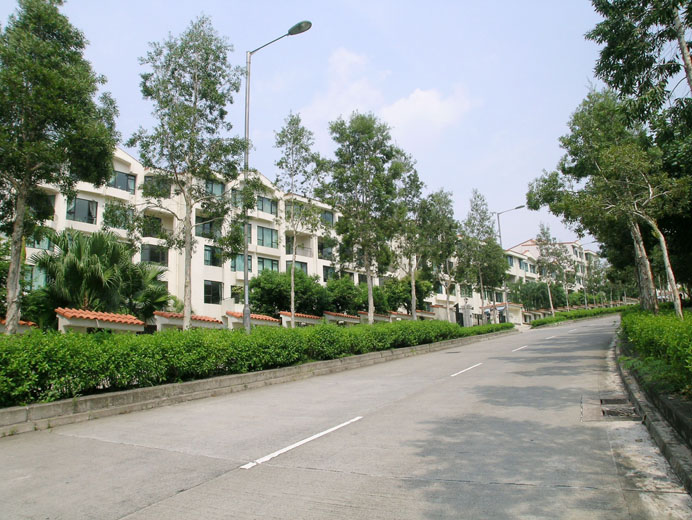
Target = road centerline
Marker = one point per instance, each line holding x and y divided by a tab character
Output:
520	348
297	444
466	369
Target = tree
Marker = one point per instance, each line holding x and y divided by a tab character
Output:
4	269
299	173
364	187
270	293
343	295
552	261
51	129
399	293
191	85
441	240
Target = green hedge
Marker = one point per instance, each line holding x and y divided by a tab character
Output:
663	347
47	366
576	314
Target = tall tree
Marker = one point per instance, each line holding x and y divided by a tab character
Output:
299	175
52	131
441	240
552	261
191	84
365	189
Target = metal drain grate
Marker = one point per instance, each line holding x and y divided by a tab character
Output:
618	409
618	400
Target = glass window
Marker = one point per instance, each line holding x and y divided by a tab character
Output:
213	292
324	252
158	186
267	263
267	237
293	209
44	243
532	267
151	226
215	188
362	278
328	272
236	198
328	217
123	181
267	205
212	256
82	210
34	277
453	290
237	263
510	261
498	297
303	266
439	289
207	228
466	291
155	254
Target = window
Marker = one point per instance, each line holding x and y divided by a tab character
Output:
123	181
267	237
154	254
34	277
328	217
510	261
293	209
82	210
532	267
303	266
157	186
324	252
248	230
362	278
236	198
206	228
466	291
267	205
523	265
453	290
213	292
328	272
498	297
44	243
267	263
237	263
439	289
215	188
151	227
212	256
118	215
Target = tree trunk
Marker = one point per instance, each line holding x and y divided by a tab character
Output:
566	293
646	279
684	50
550	299
414	314
371	300
187	291
293	281
480	279
15	270
670	275
495	313
449	311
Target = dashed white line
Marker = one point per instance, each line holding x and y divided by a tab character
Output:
466	369
299	443
520	348
572	330
551	337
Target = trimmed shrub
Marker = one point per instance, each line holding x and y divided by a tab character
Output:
577	314
47	366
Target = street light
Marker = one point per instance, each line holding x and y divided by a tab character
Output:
498	213
298	28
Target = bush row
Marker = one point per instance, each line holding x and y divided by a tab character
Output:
663	346
576	314
47	366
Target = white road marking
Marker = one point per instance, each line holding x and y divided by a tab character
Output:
572	330
519	348
551	337
466	369
299	443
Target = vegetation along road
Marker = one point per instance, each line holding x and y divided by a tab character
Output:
507	428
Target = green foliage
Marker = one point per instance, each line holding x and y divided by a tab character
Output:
534	295
270	293
4	269
343	295
47	366
663	346
577	314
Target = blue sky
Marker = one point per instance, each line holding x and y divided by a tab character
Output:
477	92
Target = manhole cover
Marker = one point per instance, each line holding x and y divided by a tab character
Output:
623	414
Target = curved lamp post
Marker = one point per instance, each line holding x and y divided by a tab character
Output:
298	28
499	233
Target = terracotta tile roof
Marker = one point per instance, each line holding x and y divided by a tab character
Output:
179	315
438	306
253	316
299	315
399	313
111	317
21	322
375	314
424	312
341	315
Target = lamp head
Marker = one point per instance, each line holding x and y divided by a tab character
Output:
300	27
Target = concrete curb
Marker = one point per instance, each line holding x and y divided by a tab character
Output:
22	419
670	443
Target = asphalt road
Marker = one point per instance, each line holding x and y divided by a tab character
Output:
508	428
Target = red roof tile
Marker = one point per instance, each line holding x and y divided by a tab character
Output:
299	315
179	315
375	314
21	322
253	316
399	313
112	317
424	312
340	315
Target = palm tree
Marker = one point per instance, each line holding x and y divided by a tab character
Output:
142	290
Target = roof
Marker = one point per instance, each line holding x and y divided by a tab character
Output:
399	313
110	317
374	314
299	315
179	315
252	316
424	312
340	315
21	322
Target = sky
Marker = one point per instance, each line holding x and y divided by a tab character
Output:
478	93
